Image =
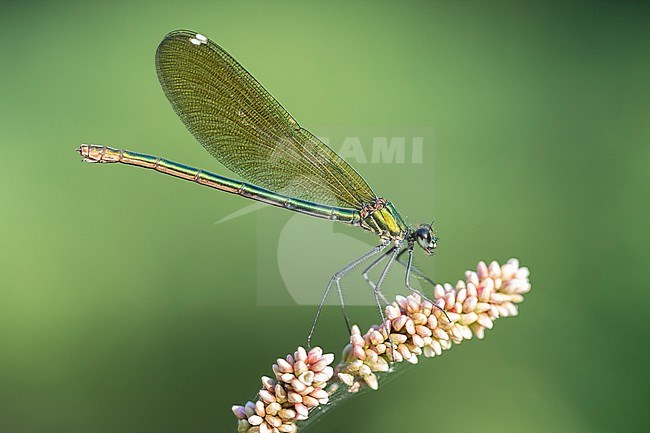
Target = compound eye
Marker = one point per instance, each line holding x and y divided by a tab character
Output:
423	236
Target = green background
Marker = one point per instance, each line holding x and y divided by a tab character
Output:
124	308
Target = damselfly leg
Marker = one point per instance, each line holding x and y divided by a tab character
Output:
336	279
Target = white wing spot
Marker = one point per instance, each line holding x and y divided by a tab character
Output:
199	39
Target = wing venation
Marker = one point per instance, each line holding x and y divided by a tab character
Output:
247	130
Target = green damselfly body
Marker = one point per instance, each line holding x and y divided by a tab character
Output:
282	163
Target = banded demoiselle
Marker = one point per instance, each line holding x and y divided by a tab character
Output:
249	132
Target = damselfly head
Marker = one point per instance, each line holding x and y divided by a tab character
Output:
426	238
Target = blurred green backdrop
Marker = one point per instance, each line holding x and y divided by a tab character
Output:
124	308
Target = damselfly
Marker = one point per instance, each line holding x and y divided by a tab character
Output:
284	165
